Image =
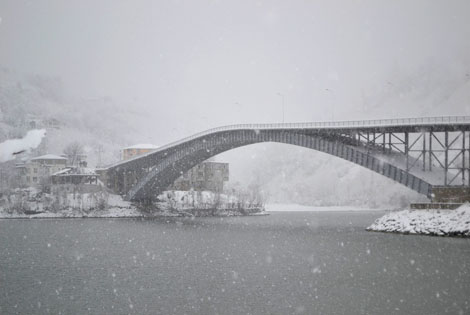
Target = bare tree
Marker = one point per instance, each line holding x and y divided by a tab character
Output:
255	194
74	151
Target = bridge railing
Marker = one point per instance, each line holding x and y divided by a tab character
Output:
440	120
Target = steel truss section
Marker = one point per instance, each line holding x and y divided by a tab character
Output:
431	151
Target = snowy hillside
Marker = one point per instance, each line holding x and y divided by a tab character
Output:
100	124
429	90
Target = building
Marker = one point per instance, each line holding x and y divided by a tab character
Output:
70	179
39	169
137	149
208	176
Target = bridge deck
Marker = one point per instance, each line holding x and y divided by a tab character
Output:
376	125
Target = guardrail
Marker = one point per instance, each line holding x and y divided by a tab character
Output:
441	120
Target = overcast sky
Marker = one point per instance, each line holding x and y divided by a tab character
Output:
198	64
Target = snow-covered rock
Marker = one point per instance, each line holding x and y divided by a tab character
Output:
430	222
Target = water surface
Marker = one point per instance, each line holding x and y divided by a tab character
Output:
285	263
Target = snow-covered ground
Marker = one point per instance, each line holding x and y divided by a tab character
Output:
430	222
31	203
73	213
296	207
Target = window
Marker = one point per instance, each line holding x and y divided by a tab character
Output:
35	170
35	179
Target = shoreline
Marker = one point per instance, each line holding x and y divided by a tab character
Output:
279	207
46	215
32	204
420	234
135	213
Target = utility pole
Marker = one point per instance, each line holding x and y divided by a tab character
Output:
99	150
332	103
282	95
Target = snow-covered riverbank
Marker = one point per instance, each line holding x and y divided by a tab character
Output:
31	203
428	222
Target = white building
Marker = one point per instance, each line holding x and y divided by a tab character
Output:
38	169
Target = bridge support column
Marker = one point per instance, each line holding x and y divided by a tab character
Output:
430	151
446	157
463	157
407	150
423	152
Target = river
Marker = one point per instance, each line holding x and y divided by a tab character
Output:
284	263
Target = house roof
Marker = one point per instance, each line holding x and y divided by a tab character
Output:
142	146
81	171
64	171
49	157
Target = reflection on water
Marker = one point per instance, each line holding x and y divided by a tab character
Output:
285	263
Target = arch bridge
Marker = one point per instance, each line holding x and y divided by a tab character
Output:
423	154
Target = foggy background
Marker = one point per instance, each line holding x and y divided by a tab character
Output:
117	73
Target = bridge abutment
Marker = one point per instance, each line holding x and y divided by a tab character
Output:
445	198
450	194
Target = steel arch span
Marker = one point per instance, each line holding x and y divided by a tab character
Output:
370	144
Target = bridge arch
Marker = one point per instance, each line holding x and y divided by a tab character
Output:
163	168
